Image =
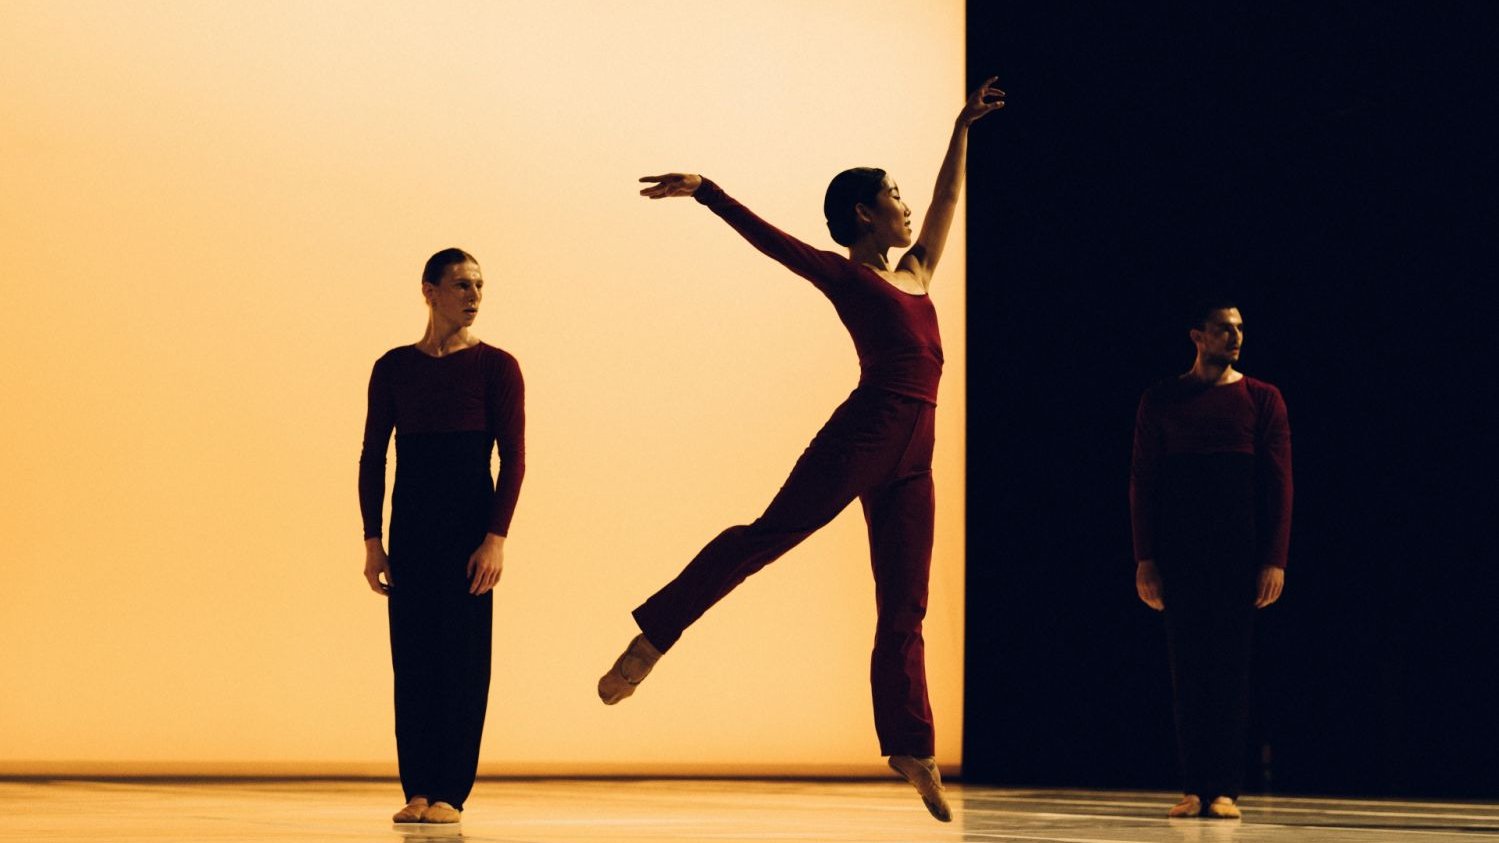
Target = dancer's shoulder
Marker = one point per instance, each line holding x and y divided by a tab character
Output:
498	360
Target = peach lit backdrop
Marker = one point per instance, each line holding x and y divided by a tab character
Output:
212	221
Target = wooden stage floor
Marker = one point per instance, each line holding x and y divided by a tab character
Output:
665	811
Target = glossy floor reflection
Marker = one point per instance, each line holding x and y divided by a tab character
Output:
555	811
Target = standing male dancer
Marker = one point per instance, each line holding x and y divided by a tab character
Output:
1210	500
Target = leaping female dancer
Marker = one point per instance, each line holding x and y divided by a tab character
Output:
877	446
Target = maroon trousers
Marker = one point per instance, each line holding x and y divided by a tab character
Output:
877	447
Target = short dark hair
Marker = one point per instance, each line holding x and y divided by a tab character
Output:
859	185
1204	306
438	264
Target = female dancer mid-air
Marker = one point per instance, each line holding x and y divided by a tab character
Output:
877	446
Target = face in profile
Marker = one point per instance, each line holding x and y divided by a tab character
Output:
1221	336
455	299
889	219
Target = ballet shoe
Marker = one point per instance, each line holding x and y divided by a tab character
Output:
441	812
1190	806
629	670
923	774
412	813
1223	808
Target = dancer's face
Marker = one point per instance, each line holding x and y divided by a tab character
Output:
889	218
1220	337
455	299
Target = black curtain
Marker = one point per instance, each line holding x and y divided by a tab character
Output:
1330	165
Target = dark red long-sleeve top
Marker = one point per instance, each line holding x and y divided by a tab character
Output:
478	389
894	332
1182	417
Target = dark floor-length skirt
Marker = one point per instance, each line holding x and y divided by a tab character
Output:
1209	572
439	633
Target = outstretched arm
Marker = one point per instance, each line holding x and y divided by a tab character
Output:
921	260
813	264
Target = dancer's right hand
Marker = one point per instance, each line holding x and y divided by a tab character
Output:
671	184
376	565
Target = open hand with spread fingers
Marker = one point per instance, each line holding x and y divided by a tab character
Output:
982	101
671	184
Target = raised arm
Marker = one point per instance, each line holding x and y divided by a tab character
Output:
921	260
813	264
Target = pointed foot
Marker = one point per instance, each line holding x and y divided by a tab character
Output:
923	775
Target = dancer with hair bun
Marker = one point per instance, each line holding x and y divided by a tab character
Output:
450	398
877	446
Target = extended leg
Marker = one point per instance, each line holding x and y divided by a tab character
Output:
856	447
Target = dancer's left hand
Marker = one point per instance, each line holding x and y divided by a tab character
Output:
986	99
486	564
1272	582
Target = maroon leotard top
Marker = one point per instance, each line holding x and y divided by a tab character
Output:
1179	417
478	389
894	333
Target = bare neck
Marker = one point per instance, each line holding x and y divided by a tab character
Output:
1213	373
443	337
866	252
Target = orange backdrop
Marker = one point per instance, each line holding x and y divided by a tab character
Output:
212	221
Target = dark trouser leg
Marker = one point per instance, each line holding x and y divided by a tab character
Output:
900	534
852	451
900	518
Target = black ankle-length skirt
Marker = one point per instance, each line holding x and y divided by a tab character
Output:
439	633
1207	556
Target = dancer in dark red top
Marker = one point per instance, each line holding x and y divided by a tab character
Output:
1210	499
450	398
877	446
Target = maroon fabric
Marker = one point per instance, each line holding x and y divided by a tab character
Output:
478	389
894	333
1179	417
877	447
